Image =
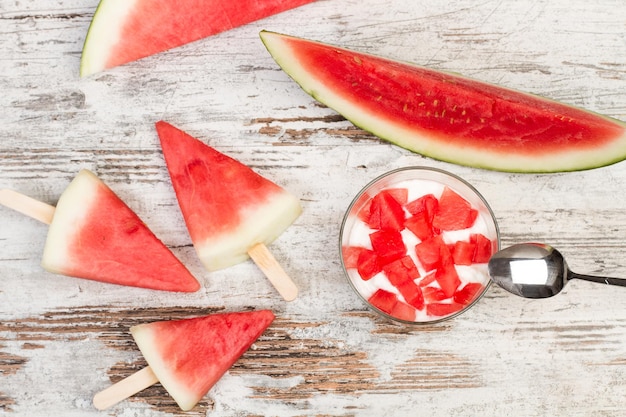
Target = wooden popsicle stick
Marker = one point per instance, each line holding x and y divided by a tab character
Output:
273	271
125	388
26	205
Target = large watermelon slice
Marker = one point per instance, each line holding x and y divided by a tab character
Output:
228	208
447	116
189	356
95	235
122	31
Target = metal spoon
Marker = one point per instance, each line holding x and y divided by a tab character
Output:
536	270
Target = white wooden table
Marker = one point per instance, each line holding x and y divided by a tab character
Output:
63	339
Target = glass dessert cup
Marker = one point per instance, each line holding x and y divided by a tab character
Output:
439	302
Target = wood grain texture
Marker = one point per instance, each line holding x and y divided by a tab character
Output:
64	339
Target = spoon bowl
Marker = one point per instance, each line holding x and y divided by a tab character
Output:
536	270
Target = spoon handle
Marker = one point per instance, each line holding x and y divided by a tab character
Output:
602	280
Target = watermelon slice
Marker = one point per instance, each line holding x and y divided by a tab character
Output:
228	208
94	235
189	356
447	116
122	31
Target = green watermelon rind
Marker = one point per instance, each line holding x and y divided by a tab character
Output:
101	36
147	341
566	160
230	248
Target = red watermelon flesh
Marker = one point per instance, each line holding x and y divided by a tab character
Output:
384	300
448	279
443	309
466	294
95	235
482	248
386	212
401	270
431	252
420	225
453	212
427	204
350	255
447	116
124	31
412	293
401	195
228	208
403	311
433	294
388	245
189	356
463	252
368	264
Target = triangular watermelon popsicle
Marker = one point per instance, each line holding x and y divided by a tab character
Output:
93	234
188	356
231	211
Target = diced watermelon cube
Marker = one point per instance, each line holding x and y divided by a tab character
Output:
448	279
364	213
443	309
386	213
483	245
463	252
401	270
388	244
368	264
428	279
427	203
433	253
384	300
454	212
403	311
433	294
351	255
412	293
401	195
467	294
420	225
